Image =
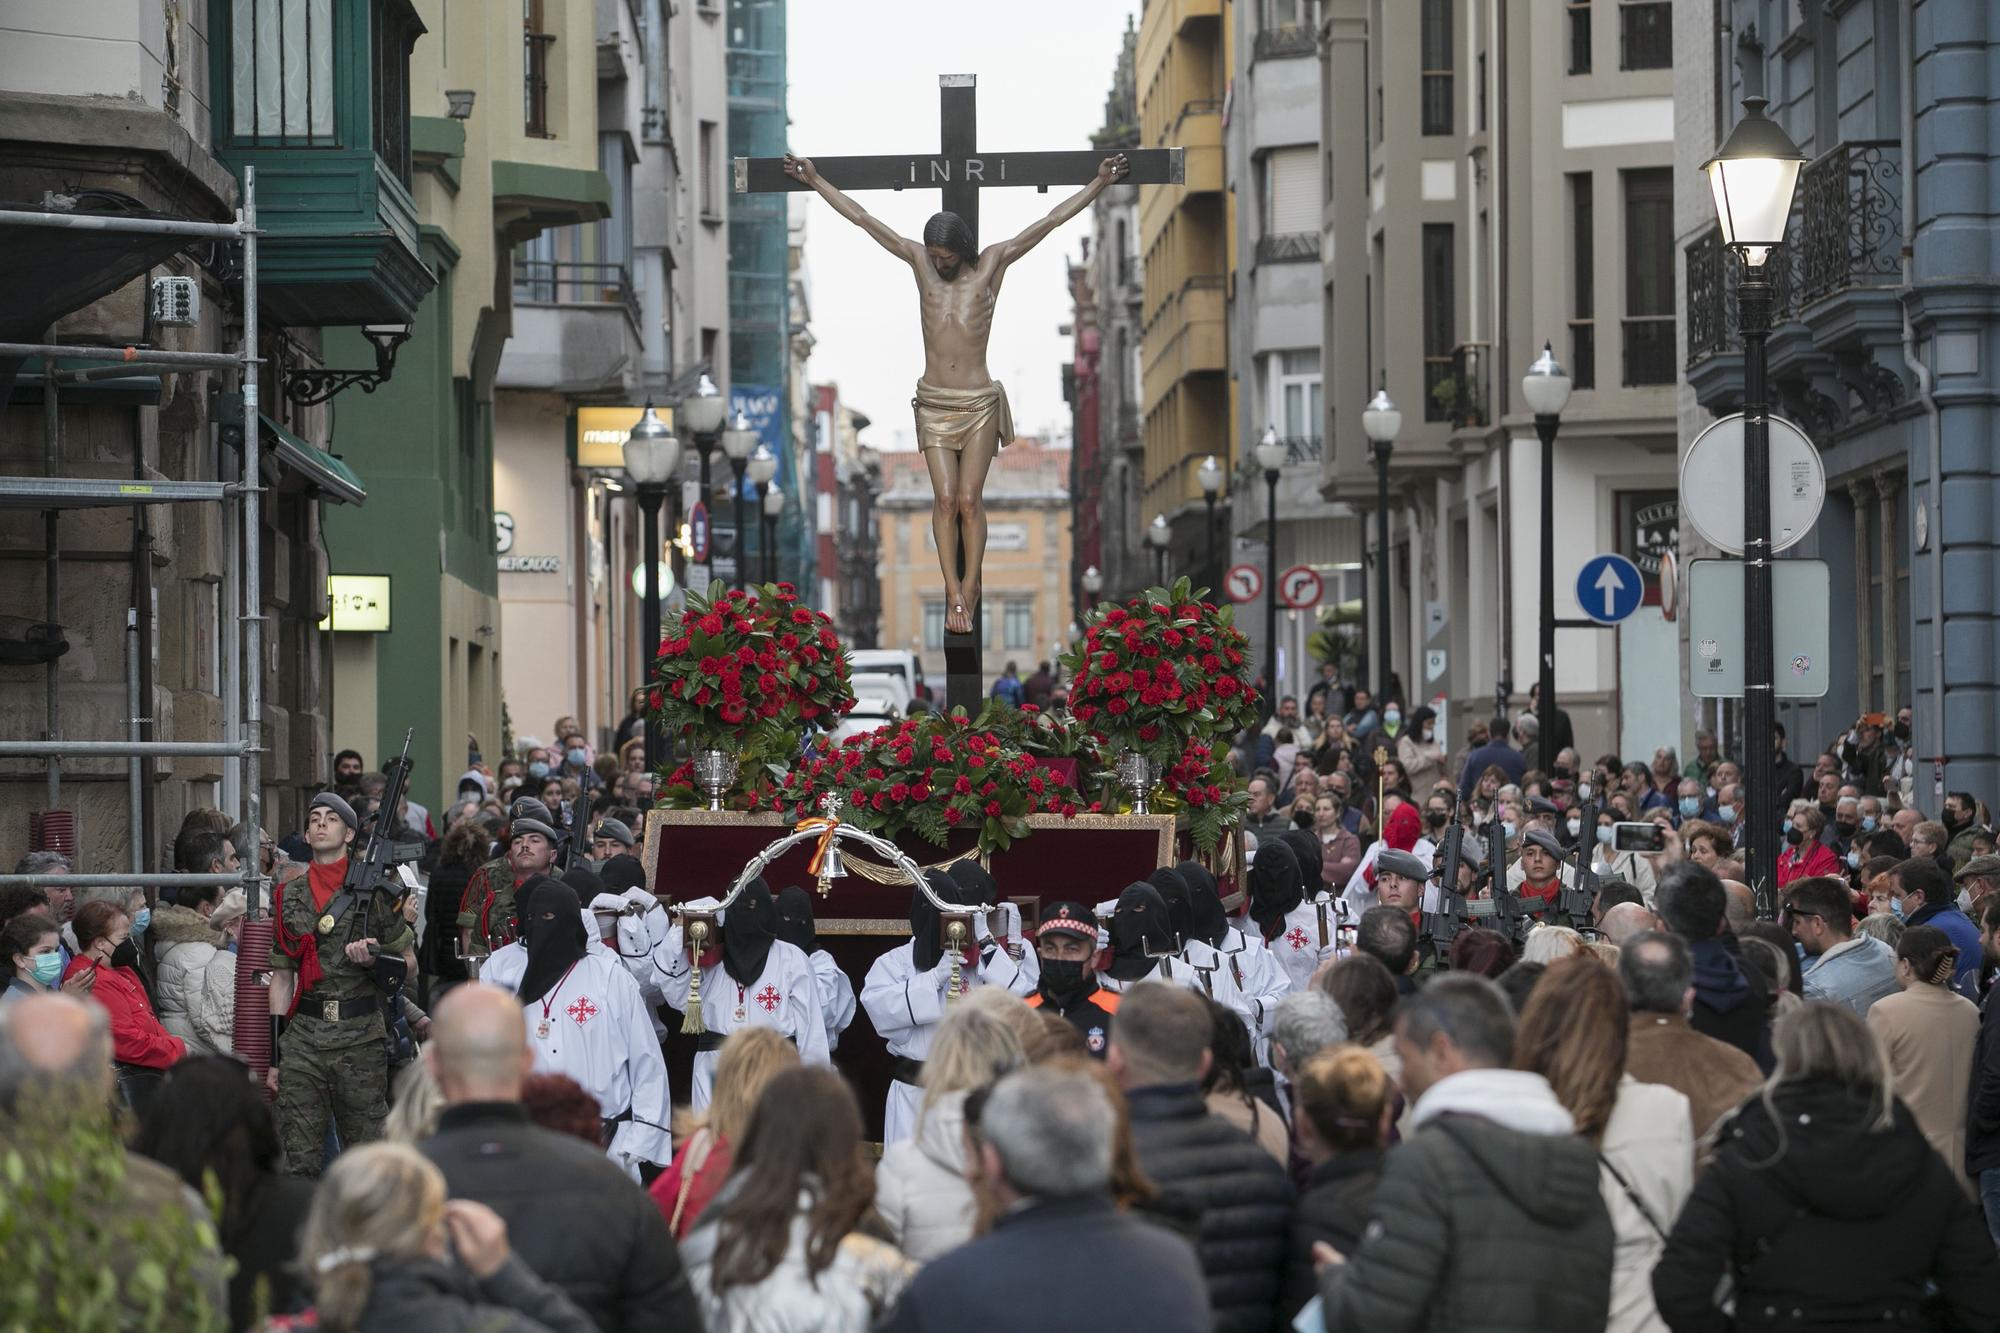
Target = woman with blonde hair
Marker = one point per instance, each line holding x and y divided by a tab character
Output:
750	1058
384	1252
1929	1033
414	1105
1342	1106
1573	1033
1822	1165
1549	943
921	1187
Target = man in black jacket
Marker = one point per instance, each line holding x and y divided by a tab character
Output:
1982	1121
1045	1138
573	1217
1732	1002
1201	1163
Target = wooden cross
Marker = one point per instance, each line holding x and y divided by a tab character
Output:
959	171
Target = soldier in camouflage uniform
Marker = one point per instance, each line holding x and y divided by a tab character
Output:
486	917
332	1049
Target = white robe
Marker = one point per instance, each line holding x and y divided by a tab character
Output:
836	995
784	997
599	1035
637	937
906	1006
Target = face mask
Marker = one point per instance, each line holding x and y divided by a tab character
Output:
575	757
1794	835
1062	978
538	769
1584	791
1428	733
1868	824
1604	832
1896	906
1727	814
1854	860
1436	818
1392	718
1690	806
125	955
48	968
1507	828
1846	829
1575	828
142	919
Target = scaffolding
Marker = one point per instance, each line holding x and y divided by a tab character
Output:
242	689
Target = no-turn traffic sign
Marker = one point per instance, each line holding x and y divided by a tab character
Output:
1245	582
1300	588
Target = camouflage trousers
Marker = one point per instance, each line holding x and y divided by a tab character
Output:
348	1085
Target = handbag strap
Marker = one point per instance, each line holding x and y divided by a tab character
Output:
1632	1194
696	1159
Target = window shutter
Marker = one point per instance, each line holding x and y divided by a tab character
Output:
1295	201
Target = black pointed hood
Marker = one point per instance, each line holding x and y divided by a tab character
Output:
748	927
925	950
1207	920
975	884
1140	933
795	919
1179	900
1274	886
552	932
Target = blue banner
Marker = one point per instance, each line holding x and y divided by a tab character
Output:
761	403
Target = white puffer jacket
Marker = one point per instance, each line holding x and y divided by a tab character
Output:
195	980
920	1185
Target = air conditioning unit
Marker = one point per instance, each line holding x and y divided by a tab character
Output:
176	302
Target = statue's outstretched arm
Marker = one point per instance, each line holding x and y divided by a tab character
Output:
1107	171
905	249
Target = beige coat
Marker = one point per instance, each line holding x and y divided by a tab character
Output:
1423	761
1930	1033
1650	1143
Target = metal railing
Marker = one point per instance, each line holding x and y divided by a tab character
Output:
1288	247
1711	297
535	82
559	282
1287	39
1464	394
1649	349
1851	230
1439	390
1645	34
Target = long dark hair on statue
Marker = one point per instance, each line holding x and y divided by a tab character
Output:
949	231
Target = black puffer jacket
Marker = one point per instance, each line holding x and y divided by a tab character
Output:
1203	1163
574	1218
1333	1208
442	1298
1825	1222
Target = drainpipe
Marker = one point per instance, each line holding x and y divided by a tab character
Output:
1905	37
51	570
134	774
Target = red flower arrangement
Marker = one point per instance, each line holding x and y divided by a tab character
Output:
749	672
929	776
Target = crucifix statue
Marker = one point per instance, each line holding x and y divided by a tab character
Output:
962	415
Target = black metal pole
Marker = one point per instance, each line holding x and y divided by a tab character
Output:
1382	617
1210	574
1271	593
705	445
1545	709
1753	317
736	467
649	605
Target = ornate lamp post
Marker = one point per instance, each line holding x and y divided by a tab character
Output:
652	455
1380	422
763	466
1271	457
1210	476
701	414
738	442
1159	536
1545	388
1752	177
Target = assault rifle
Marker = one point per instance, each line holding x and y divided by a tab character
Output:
1506	907
569	851
367	869
1441	927
1579	896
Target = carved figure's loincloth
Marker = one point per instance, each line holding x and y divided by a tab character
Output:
949	418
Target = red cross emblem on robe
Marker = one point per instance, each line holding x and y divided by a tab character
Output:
770	999
582	1010
1296	937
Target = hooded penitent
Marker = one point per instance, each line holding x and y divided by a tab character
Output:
552	931
1208	920
1179	900
795	919
1274	887
1140	933
1310	853
1404	827
975	885
748	927
622	872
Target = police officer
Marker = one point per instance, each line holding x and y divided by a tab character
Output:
330	1040
486	918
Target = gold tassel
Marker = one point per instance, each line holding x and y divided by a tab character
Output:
691	1020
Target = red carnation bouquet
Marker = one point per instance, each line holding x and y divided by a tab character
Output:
929	776
749	672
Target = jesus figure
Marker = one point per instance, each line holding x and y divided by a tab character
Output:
962	413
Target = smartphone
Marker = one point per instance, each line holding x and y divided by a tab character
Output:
1638	836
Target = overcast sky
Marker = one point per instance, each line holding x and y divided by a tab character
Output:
1044	67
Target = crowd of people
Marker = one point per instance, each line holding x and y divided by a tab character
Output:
1623	1100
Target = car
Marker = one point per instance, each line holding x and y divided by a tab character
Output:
869	712
883	683
891	661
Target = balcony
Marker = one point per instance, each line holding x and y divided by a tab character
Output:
556	283
1851	206
576	328
1186	336
1284	41
1461	396
1296	247
1645	34
535	63
1649	350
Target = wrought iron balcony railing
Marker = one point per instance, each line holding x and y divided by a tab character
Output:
1711	297
535	82
1851	206
563	283
1288	248
1462	395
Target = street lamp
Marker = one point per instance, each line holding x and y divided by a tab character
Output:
1210	476
737	444
652	456
1752	177
702	413
774	505
1545	388
1159	536
1380	422
1093	582
1271	457
762	467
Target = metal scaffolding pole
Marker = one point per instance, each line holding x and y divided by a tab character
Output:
253	584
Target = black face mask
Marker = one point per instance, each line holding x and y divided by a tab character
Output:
1902	731
125	955
1794	835
1065	980
1437	818
1846	829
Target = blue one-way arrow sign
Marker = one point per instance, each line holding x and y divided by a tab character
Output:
1609	588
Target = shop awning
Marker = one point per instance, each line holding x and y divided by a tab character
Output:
333	479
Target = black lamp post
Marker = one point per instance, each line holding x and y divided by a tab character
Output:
702	413
1210	476
1545	388
1752	177
738	442
1159	536
1380	422
774	505
763	466
652	455
1271	458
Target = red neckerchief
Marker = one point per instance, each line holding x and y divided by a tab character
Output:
304	949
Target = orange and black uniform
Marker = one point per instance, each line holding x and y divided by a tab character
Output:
1090	1015
1070	990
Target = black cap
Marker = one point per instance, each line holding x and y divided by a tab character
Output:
1067	919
